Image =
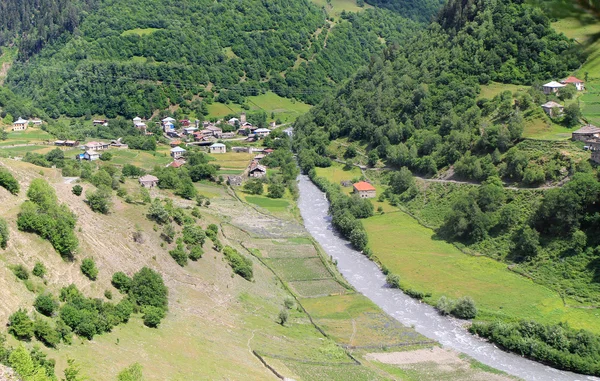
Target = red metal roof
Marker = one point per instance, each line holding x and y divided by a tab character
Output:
572	79
363	186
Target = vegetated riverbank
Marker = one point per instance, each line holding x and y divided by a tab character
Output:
367	278
429	268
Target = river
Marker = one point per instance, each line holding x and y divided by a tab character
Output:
366	277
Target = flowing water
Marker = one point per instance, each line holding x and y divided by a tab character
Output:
367	278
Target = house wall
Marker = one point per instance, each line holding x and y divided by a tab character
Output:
583	137
366	194
596	156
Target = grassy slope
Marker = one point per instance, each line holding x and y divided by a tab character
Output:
335	7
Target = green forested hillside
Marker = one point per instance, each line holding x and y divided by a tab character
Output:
423	11
133	57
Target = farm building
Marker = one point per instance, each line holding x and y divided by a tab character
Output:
586	132
148	181
256	170
579	84
20	124
90	155
217	148
365	190
552	87
36	122
552	108
96	146
177	152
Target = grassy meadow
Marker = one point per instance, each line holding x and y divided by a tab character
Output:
336	7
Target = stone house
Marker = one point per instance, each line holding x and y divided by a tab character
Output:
148	181
365	190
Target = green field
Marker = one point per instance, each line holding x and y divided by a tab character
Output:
494	88
428	264
143	159
271	204
232	160
335	7
139	31
545	130
287	110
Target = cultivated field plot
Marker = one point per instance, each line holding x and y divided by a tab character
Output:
334	372
317	288
353	320
286	248
144	159
232	160
299	269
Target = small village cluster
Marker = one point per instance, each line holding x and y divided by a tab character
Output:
554	108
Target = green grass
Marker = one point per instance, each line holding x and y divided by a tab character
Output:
229	52
545	130
428	264
271	204
232	160
494	88
299	269
287	110
143	159
139	31
312	288
338	6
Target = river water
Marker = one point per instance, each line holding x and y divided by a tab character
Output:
367	278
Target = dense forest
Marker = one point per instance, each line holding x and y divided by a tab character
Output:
423	11
133	57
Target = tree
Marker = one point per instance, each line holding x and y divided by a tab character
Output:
373	158
45	304
276	190
464	308
157	212
283	316
444	305
253	186
153	316
89	269
393	280
100	200
359	239
525	242
179	255
148	288
8	181
45	333
572	115
168	233
72	372
77	190
106	156
196	252
39	270
20	325
121	282
193	235
4	234
401	180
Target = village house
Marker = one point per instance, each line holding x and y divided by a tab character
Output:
176	163
184	123
118	144
227	135
90	155
243	118
177	152
20	125
551	108
587	132
217	148
364	189
141	126
96	146
137	120
59	143
268	151
232	121
235	181
262	132
148	181
256	170
36	122
189	130
216	131
168	119
272	124
175	143
168	127
100	122
71	143
552	87
579	84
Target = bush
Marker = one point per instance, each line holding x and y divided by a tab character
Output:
121	282
444	305
179	255
89	269
106	156
153	316
288	302
77	190
193	235
253	186
196	253
20	325
45	304
148	288
8	182
283	316
45	333
168	233
393	280
464	308
4	234
39	270
240	264
100	200
20	272
108	294
157	212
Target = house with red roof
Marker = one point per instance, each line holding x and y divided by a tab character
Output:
365	190
579	84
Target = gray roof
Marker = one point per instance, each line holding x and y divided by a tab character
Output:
148	178
177	149
587	129
554	84
217	145
552	104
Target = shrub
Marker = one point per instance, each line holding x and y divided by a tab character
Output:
132	373
148	288
20	272
108	294
153	316
8	182
196	252
193	235
3	233
121	282
253	186
464	308
240	264
20	325
179	255
288	302
39	270
89	269
157	212
77	190
100	200
106	156
444	305
283	316
168	233
45	304
45	333
393	280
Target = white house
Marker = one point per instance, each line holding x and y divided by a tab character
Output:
168	127
91	155
550	106
36	122
177	152
20	124
217	148
552	87
168	119
262	132
137	120
579	84
232	121
96	146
